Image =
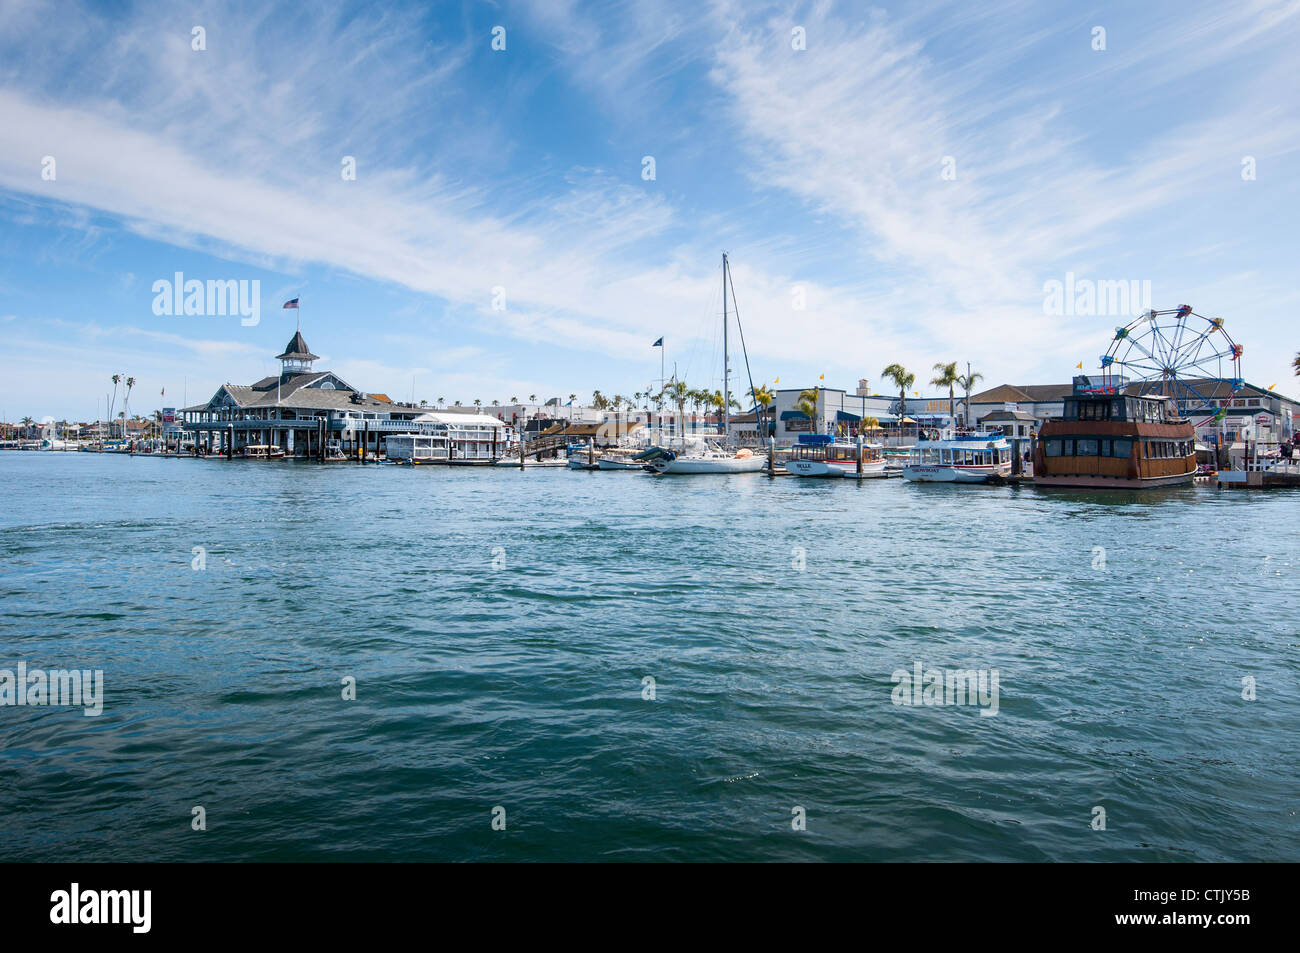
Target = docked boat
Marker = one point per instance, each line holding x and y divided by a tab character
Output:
619	460
820	455
714	459
262	451
960	458
1106	438
714	456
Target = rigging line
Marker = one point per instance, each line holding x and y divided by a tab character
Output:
743	349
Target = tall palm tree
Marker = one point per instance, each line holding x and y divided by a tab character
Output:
513	400
807	405
967	383
126	398
870	425
679	394
117	379
903	379
763	398
947	377
1296	365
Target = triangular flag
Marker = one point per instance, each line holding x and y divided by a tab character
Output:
1271	386
1079	365
822	378
776	380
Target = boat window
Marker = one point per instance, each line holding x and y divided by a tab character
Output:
1067	448
1053	448
1105	448
1087	448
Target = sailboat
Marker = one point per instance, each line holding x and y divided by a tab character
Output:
715	457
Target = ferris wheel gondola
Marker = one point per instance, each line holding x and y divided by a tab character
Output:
1177	354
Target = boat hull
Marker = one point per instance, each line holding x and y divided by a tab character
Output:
688	465
820	468
1116	483
950	474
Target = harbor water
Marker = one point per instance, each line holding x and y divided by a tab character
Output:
619	666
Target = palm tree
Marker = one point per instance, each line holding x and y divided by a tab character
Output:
126	398
573	397
441	400
27	424
532	398
947	378
807	405
1296	365
763	398
870	425
903	380
117	379
679	394
967	383
514	400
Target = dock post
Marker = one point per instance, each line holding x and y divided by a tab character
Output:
230	441
521	448
591	451
365	435
771	455
859	452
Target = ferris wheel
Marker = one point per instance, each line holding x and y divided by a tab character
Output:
1178	354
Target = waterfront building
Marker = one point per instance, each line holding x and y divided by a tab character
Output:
839	412
310	413
1250	412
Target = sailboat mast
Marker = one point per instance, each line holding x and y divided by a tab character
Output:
726	370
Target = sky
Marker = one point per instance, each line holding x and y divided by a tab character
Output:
893	183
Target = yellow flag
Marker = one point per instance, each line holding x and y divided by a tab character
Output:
1271	386
823	377
1079	365
776	380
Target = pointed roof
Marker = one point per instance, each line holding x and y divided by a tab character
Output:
297	350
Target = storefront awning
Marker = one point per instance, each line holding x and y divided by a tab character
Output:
794	415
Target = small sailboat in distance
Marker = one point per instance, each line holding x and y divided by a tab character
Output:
714	457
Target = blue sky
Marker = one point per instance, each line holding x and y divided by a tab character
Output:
818	169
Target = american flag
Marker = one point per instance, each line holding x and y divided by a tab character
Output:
291	303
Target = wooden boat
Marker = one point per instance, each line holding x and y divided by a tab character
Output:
820	455
1109	439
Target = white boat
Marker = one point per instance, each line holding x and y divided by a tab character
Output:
961	458
621	459
712	460
709	456
820	455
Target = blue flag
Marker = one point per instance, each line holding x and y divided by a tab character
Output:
659	343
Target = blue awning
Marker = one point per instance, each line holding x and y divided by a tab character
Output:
794	415
843	416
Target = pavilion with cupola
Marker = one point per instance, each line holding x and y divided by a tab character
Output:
314	414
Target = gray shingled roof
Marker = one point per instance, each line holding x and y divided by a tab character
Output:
297	350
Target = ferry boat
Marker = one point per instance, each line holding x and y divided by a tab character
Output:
1107	438
820	455
960	458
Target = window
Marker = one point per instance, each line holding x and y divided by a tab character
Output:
1105	448
1122	448
1053	448
1067	448
1087	448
